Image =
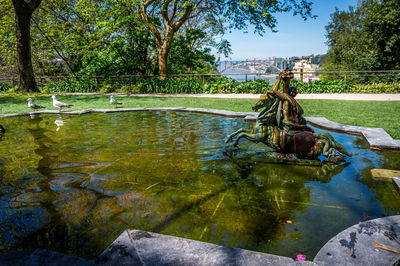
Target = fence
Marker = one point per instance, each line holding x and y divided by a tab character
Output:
211	83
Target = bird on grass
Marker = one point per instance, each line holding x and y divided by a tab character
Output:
34	105
59	104
2	129
113	101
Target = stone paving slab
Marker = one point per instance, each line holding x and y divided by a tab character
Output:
135	247
355	245
384	174
376	137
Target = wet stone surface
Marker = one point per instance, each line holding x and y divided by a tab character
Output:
136	247
355	245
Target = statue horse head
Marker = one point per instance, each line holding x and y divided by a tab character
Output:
265	101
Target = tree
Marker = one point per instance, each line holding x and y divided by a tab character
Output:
365	37
23	15
188	53
164	18
382	26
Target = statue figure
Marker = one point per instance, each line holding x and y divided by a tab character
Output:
289	114
282	127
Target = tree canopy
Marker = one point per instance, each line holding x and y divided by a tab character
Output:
118	37
164	18
365	37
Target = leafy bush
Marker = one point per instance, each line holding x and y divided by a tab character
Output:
4	86
255	86
171	85
221	85
209	85
377	88
72	86
321	86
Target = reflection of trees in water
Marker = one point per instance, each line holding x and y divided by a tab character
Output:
385	195
360	143
69	207
95	193
265	196
384	192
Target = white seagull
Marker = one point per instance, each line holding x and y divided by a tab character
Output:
34	105
59	104
113	101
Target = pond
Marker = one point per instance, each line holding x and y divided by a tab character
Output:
73	183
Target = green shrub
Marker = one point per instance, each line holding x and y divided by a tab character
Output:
4	86
130	88
107	88
377	88
194	85
221	85
322	86
85	85
254	86
171	85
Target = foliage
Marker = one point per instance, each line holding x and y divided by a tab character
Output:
178	85
229	85
187	55
194	85
321	86
210	85
340	86
165	18
4	86
365	38
71	86
376	88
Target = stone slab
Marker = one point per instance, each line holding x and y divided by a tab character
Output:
396	183
384	174
355	245
135	247
376	137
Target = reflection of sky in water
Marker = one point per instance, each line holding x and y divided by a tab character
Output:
96	175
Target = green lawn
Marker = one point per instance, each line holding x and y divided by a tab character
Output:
358	113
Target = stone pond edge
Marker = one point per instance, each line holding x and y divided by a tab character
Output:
377	138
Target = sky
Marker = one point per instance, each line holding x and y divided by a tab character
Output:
295	37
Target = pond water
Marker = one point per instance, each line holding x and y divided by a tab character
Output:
73	183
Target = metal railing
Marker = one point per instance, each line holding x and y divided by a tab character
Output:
355	76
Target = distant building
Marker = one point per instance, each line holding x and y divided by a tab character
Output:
304	65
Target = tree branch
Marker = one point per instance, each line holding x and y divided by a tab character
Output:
54	46
183	19
146	19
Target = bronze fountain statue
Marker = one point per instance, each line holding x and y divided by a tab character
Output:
282	127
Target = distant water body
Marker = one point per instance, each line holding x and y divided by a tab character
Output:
247	75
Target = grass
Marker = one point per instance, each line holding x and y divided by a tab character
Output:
357	113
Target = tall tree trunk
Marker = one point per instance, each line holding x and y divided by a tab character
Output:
23	15
164	43
162	63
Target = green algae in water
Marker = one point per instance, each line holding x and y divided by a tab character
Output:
74	183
